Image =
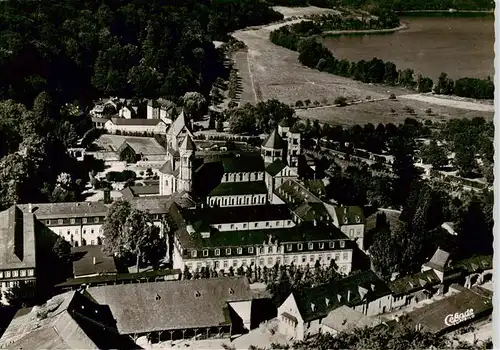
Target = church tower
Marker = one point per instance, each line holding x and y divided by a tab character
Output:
273	148
186	155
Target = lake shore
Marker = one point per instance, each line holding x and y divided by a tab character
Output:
330	33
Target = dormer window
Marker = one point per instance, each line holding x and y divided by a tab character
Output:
193	253
205	252
289	247
239	250
250	250
332	244
217	252
299	246
228	251
84	220
321	245
310	246
342	244
269	250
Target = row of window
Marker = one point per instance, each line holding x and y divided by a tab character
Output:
256	199
73	221
256	224
84	231
90	220
17	273
271	261
270	249
255	176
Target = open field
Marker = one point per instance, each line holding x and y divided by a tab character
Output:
302	11
277	73
380	112
269	71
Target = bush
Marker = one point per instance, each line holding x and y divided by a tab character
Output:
114	176
299	104
392	97
341	101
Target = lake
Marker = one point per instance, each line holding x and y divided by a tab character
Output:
459	46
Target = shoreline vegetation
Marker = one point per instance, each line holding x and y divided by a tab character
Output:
336	33
302	37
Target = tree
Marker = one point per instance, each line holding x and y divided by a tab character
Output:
242	120
435	155
385	253
62	249
465	161
444	85
220	125
402	147
130	231
194	105
21	295
424	84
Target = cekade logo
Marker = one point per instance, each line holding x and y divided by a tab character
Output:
456	318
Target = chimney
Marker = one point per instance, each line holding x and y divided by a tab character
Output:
30	208
348	295
93	260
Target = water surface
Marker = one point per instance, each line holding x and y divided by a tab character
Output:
461	47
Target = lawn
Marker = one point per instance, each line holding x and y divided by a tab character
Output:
380	112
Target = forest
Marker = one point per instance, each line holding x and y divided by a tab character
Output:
57	57
80	50
396	5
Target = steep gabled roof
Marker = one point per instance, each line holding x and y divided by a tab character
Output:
66	321
239	188
242	164
178	125
187	144
17	239
349	215
275	167
317	302
167	168
412	283
439	260
148	307
136	121
274	141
